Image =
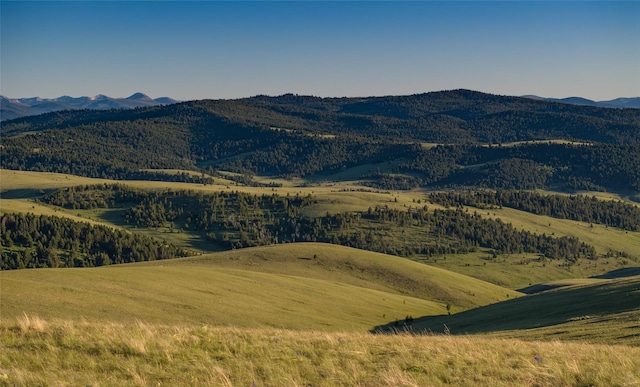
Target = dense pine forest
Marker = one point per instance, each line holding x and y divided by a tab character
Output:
31	241
446	139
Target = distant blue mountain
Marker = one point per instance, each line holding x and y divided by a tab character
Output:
619	103
624	102
21	107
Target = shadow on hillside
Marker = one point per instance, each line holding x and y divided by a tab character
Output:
533	289
191	240
531	311
113	216
614	274
619	273
25	193
478	320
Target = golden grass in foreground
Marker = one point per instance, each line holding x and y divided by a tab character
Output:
61	352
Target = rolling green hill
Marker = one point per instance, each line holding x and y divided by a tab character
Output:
356	267
279	286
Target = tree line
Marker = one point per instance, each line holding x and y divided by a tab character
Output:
614	213
38	241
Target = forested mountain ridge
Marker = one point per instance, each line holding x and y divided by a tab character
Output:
293	135
458	115
419	117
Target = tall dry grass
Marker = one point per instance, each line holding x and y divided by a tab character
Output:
37	352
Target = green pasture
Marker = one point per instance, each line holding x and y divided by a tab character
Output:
202	295
603	238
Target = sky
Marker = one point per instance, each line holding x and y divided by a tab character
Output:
235	49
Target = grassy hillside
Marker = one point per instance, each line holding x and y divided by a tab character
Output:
197	295
279	286
25	184
336	197
356	267
303	313
35	351
604	311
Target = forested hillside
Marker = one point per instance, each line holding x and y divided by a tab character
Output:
31	241
443	139
580	208
237	220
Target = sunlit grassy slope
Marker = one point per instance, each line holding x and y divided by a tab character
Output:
356	267
218	319
606	311
35	351
332	197
516	271
279	286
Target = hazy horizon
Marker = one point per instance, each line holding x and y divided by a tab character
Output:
310	95
228	50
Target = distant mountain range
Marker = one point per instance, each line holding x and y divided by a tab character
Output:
21	107
614	103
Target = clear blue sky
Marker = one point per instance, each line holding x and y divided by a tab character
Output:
207	49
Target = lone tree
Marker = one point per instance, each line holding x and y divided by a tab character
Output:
449	308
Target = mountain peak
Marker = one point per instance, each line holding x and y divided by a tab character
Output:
139	96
